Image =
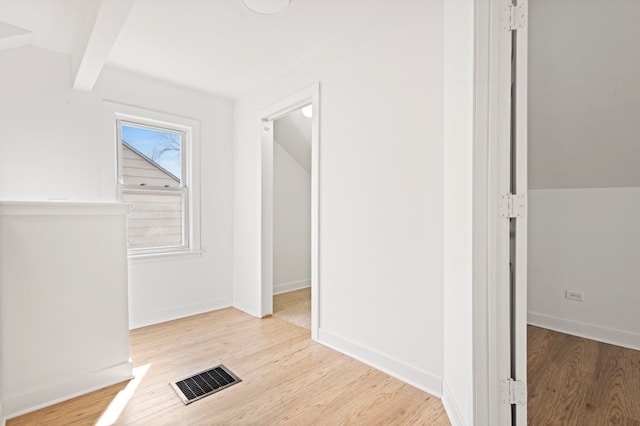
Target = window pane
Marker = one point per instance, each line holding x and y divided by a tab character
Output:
155	220
151	157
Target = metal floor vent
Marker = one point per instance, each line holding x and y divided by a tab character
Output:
204	383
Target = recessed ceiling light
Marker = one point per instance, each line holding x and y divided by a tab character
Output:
266	7
308	111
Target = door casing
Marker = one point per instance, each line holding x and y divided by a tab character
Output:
308	95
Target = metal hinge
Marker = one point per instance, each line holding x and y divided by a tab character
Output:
513	392
514	17
511	205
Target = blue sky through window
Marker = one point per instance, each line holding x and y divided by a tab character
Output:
162	146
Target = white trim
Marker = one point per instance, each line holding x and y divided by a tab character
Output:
409	374
486	360
43	397
308	95
111	112
2	419
612	336
151	318
291	286
61	208
451	407
164	256
481	249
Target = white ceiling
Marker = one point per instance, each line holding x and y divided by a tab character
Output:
55	23
217	46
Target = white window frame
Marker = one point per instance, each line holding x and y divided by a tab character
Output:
113	115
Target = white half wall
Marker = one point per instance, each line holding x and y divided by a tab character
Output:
586	240
291	222
381	186
64	312
51	147
459	33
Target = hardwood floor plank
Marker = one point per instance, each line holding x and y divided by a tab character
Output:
287	379
577	381
294	307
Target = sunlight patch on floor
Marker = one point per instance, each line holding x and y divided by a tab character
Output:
121	400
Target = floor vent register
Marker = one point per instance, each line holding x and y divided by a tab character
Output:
204	383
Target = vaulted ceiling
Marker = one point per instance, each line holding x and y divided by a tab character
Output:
217	46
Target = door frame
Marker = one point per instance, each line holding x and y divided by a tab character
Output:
492	130
308	95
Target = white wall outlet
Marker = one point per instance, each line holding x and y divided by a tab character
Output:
578	296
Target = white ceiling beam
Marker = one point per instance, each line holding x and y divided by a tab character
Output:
101	27
12	36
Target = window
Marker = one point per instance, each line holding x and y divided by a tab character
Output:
157	175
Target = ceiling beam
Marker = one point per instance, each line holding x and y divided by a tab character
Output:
102	25
12	36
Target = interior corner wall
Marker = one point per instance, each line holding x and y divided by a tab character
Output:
51	147
586	240
381	185
291	222
583	167
458	192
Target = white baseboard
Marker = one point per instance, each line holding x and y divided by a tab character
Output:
400	370
150	318
451	407
291	286
39	398
612	336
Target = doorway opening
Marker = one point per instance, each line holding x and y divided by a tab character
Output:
292	217
584	192
290	208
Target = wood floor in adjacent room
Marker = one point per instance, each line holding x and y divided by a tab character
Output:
287	379
576	381
294	307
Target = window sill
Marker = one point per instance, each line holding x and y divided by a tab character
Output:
164	256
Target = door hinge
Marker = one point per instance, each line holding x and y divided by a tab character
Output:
511	205
514	17
513	392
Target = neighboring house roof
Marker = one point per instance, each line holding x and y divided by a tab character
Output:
150	161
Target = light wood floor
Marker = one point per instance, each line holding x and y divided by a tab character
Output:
575	381
287	379
294	307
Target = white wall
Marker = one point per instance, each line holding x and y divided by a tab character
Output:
584	95
381	191
586	240
458	191
50	147
291	222
583	167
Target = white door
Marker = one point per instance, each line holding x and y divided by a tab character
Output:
512	224
519	228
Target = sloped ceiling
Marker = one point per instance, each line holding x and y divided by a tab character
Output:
216	46
293	133
54	24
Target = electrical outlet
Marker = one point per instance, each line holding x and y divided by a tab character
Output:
578	296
